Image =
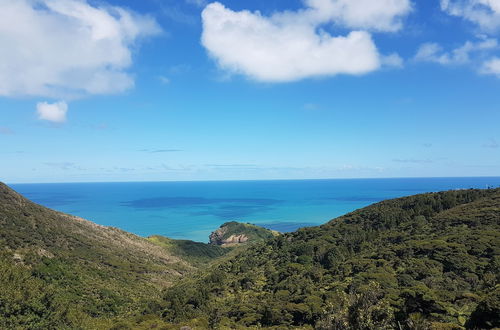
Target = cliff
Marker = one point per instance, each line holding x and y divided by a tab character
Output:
234	233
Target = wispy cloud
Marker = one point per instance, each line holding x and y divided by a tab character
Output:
356	168
100	127
254	167
198	3
492	143
65	166
174	11
156	151
179	69
181	168
433	52
413	161
164	80
232	165
6	131
124	169
484	13
312	106
18	152
491	67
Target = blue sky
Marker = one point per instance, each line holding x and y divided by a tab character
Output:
192	90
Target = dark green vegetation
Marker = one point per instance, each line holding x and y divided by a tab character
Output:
429	261
233	232
196	253
60	271
425	261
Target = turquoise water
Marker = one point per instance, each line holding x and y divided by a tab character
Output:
191	210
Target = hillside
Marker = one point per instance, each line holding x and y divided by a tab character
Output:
428	261
59	270
196	253
420	262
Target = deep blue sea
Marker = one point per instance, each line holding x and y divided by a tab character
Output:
191	210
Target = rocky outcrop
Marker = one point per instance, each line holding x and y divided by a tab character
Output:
234	233
220	238
216	239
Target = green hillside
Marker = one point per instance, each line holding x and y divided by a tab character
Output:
428	261
58	270
421	262
198	254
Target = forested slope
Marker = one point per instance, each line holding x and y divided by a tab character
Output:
425	261
59	271
420	262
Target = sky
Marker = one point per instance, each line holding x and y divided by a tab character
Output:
159	90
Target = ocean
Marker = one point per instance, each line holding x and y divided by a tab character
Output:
192	210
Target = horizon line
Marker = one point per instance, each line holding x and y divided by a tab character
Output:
256	180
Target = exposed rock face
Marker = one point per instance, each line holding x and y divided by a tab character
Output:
218	237
233	233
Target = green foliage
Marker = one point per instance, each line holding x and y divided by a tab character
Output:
60	271
196	253
429	261
24	300
487	313
425	261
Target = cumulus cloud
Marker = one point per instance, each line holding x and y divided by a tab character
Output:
484	13
54	112
67	48
433	52
290	46
492	66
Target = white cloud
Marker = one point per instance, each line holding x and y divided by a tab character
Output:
164	80
199	3
67	48
484	13
433	52
380	15
392	60
290	46
492	66
55	112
